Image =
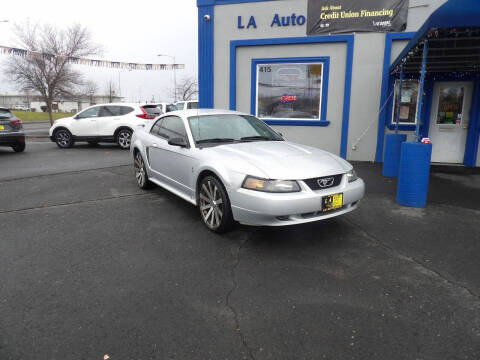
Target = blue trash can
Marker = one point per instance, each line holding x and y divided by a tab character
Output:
414	173
391	160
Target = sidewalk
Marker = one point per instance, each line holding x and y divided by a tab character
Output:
36	129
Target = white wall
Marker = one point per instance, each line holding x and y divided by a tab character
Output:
366	77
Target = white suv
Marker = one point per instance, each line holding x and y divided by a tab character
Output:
100	123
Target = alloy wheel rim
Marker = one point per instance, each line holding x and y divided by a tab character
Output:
124	139
211	204
139	170
63	138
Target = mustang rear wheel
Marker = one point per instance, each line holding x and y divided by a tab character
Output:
214	205
124	137
141	172
63	138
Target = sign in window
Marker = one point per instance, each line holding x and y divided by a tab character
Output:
450	105
289	91
408	102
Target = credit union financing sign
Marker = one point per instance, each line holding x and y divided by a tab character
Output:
342	16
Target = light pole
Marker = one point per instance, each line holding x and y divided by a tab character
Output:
119	84
174	74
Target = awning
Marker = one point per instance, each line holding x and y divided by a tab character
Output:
453	33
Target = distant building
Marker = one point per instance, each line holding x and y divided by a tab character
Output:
33	101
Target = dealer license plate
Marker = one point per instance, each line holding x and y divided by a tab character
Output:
2	127
332	202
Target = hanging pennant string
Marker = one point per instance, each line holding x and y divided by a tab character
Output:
91	62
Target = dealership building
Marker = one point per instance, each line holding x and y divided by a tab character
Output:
327	73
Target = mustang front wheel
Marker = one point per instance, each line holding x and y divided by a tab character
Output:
141	172
214	205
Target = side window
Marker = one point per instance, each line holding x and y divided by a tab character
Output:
89	113
155	128
124	110
110	110
180	105
192	105
172	126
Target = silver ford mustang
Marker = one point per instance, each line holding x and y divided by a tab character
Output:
234	167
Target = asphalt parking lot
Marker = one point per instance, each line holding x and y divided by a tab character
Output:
91	265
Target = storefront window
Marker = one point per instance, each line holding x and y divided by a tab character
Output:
450	105
289	91
408	102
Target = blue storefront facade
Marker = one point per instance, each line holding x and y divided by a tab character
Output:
341	91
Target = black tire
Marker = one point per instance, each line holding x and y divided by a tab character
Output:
214	205
63	138
141	172
93	143
124	137
18	147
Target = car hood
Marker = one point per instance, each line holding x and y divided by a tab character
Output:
279	159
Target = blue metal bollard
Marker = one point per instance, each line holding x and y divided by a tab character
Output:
414	173
391	161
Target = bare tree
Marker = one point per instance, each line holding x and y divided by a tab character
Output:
49	71
111	89
89	90
187	89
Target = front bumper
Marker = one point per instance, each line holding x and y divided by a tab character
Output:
12	138
268	209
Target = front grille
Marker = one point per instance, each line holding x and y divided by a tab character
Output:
324	182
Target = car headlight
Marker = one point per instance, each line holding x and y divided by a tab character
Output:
273	186
351	176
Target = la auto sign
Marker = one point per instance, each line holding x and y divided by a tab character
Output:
277	21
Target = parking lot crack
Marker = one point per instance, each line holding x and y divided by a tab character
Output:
42	207
228	302
62	173
417	262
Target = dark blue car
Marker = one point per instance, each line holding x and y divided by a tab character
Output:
11	131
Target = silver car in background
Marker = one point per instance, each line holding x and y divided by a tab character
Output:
234	167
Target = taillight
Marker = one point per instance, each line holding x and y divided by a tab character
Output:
16	122
145	115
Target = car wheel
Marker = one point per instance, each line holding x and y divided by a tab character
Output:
18	147
124	137
214	205
63	138
141	172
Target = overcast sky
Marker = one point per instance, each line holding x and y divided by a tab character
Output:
136	32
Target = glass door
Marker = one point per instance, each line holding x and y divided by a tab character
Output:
449	120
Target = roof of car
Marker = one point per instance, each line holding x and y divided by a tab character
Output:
120	103
4	108
194	112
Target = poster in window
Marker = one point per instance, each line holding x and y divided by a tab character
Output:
289	91
344	16
404	111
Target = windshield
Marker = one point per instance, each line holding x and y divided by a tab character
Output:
171	107
230	128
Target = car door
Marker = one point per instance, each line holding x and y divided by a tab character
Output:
85	122
109	119
173	163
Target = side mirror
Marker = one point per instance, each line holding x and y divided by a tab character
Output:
177	142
